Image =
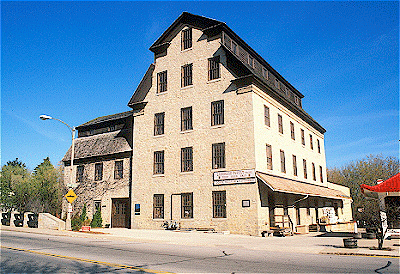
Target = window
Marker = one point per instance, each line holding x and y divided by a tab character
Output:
217	113
283	167
292	131
219	204
311	142
276	83
305	168
321	176
313	172
186	38
187	205
162	81
187	76
318	146
98	172
213	68
79	173
265	73
186	119
159	162
303	140
251	61
158	206
294	165
119	170
159	123
187	159
218	155
234	48
269	157
267	119
280	123
97	205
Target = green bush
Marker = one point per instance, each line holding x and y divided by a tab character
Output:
97	220
76	223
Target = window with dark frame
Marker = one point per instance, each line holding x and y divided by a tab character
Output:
187	159
98	171
303	140
311	142
219	204
186	38
159	123
217	113
218	155
187	205
305	168
321	176
187	75
280	123
283	166
158	162
294	165
79	173
186	119
313	172
213	68
318	146
158	206
269	156
119	170
162	81
267	119
292	131
97	205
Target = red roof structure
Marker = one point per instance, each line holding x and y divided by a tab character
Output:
390	185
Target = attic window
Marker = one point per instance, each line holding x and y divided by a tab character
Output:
186	38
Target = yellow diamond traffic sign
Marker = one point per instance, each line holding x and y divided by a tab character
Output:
71	196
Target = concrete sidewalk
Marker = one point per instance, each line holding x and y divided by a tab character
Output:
308	243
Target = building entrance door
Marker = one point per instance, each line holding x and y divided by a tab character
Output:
120	212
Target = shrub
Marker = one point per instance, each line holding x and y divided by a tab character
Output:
97	220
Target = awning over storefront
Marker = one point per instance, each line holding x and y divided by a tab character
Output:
390	185
280	184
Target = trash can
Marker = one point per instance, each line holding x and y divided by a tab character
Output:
350	243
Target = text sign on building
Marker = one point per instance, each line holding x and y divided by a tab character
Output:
246	176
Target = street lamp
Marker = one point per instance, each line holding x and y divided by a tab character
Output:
47	117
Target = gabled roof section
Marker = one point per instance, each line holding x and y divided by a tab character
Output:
197	21
107	118
137	99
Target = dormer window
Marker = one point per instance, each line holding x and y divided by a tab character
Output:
186	38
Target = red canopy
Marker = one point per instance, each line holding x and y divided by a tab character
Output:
390	185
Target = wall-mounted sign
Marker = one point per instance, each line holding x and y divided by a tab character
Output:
246	176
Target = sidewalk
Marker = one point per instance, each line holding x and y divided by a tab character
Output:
308	243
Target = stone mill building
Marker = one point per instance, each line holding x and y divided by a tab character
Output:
215	139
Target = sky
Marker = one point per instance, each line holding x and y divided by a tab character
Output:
77	61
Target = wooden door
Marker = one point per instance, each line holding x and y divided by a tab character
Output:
120	212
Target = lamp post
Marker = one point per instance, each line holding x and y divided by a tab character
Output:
47	117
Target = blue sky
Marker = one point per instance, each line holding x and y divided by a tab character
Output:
80	60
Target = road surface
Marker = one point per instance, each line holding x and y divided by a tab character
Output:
38	253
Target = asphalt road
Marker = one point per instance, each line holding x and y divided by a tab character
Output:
38	253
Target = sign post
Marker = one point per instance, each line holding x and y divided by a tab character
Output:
71	196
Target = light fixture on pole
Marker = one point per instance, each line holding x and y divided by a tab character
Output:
71	184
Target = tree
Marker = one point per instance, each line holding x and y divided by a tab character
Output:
366	171
15	187
49	188
97	220
39	191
